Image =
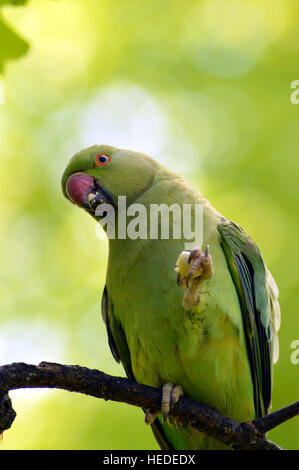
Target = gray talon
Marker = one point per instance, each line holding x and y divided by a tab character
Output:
207	251
170	396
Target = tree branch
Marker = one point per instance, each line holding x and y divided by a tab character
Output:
245	436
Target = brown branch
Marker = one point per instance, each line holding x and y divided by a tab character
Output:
246	436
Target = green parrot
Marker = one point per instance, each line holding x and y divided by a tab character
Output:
202	322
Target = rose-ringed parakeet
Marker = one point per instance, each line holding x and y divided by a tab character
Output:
209	326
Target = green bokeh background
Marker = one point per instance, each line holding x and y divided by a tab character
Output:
202	86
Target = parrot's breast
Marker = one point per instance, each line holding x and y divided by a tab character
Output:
203	350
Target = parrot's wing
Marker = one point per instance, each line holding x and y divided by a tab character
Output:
121	353
116	336
258	296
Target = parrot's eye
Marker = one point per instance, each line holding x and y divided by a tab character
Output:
102	159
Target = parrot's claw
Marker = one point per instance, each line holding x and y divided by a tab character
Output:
170	396
150	416
180	280
201	265
193	268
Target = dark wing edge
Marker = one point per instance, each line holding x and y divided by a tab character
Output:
258	297
120	351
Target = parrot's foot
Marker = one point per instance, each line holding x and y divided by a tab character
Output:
150	417
170	396
193	268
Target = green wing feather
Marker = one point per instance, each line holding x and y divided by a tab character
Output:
120	351
258	295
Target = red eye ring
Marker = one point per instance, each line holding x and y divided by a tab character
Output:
102	159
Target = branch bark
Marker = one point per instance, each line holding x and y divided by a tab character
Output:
73	378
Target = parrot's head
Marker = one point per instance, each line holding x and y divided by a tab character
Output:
101	173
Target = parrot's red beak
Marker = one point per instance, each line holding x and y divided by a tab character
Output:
85	191
78	187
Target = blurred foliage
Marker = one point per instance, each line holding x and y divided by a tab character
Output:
204	87
12	45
